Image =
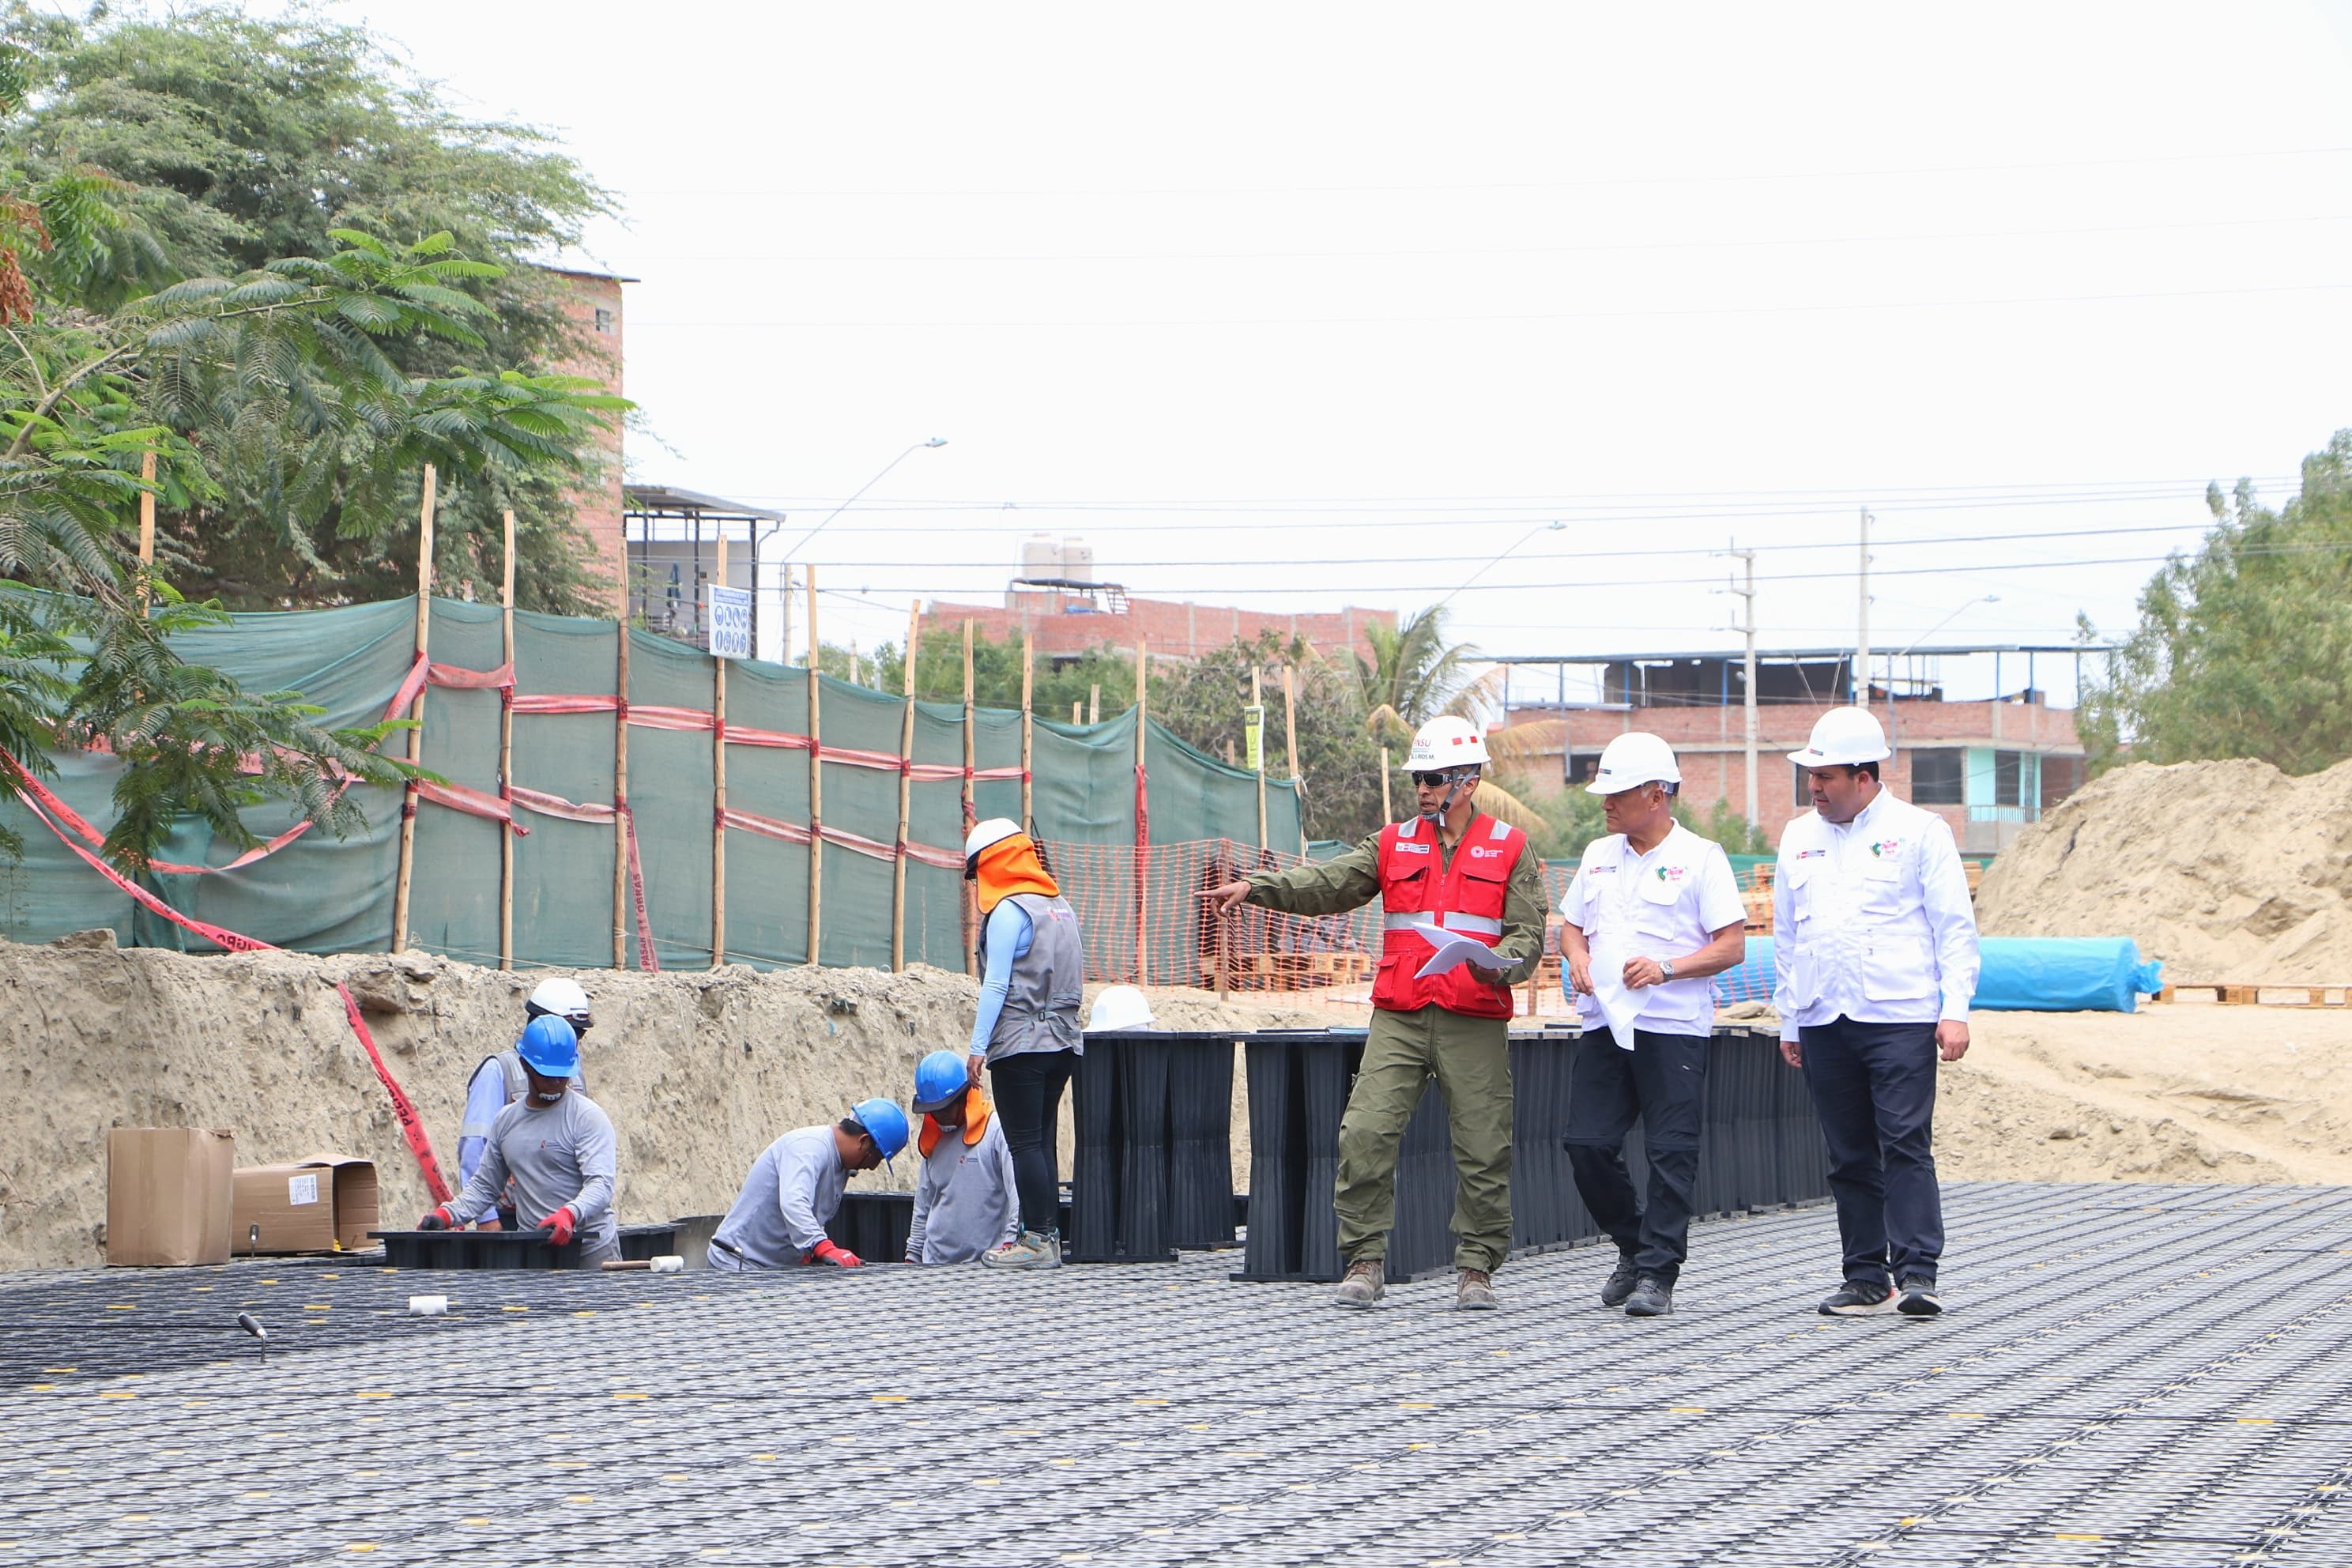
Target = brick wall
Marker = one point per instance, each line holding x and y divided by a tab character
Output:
1174	629
592	300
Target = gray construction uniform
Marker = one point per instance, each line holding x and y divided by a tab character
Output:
1044	983
966	1203
558	1155
794	1188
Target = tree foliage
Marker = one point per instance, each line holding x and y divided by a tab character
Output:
2241	649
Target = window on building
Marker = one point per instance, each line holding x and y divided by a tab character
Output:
2008	778
1939	775
1804	789
2061	776
603	319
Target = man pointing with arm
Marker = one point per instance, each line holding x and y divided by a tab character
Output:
1447	870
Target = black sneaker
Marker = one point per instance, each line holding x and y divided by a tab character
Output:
1653	1297
1621	1280
1858	1298
1918	1300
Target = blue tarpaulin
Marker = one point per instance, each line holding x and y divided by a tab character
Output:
2021	974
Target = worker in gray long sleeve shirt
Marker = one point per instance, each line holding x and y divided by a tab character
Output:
557	1146
795	1189
966	1199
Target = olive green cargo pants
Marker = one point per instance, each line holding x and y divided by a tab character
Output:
1471	1060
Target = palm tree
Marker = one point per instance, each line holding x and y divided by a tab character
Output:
1413	676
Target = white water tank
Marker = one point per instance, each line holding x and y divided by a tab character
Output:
1077	560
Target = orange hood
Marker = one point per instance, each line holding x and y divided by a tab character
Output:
975	1124
1011	866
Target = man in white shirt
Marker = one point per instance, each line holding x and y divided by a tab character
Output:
1652	912
1874	961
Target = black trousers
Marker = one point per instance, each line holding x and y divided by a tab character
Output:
1874	1087
1662	1082
1028	1094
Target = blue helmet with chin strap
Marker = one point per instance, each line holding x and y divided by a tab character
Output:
549	1047
884	1122
940	1079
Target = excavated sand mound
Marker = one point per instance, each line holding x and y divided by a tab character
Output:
2226	871
698	1070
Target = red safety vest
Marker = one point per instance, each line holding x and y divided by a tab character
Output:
1418	889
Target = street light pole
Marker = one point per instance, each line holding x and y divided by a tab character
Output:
1748	617
836	511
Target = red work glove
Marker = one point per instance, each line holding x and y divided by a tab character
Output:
440	1219
825	1251
560	1225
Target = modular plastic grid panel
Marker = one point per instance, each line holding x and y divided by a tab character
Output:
2129	1376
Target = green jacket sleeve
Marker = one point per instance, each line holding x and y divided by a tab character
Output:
1328	886
1524	909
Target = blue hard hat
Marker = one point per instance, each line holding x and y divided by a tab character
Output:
940	1079
884	1122
549	1047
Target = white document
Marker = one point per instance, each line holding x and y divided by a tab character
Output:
1454	950
1618	1005
300	1190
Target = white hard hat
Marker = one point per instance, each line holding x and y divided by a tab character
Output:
995	830
562	997
1631	759
1119	1008
1447	742
1843	736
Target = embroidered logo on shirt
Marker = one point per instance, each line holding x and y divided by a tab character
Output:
1672	873
1600	870
1887	847
1485	854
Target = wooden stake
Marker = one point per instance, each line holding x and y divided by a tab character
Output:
621	798
1257	700
506	757
906	797
718	791
1290	744
415	712
146	524
817	781
1142	814
1077	712
1388	813
971	814
1028	692
1094	704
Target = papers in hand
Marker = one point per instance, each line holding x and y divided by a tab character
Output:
1618	1006
1454	950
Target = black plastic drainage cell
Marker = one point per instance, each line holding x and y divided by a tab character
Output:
510	1248
1153	1172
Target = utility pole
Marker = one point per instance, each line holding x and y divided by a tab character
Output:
1861	622
1748	617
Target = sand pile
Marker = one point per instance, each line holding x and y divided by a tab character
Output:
2226	871
699	1071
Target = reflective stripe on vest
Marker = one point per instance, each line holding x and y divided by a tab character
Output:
1451	919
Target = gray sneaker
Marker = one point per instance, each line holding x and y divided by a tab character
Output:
1475	1293
1363	1287
1620	1282
1028	1250
1653	1297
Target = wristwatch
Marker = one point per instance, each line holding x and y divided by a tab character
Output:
1666	967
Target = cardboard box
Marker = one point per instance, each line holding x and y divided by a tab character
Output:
307	1206
167	1195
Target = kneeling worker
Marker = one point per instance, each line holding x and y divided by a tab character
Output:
1446	871
1652	912
557	1146
967	1201
795	1189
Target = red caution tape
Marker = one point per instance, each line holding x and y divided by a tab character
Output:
411	1126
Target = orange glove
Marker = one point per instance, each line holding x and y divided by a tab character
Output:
829	1251
560	1225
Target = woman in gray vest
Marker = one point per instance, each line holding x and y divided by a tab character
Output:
1027	1034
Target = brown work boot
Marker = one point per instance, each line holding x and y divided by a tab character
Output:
1363	1287
1474	1291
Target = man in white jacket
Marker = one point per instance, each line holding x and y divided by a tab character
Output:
1874	961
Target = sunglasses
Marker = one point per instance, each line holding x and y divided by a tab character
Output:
1431	781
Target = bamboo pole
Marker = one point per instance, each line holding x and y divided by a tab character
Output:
816	781
1094	704
1257	700
1290	744
906	796
719	789
416	711
621	797
146	523
1143	814
971	815
506	755
1387	814
1028	694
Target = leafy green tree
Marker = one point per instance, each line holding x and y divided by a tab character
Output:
2241	649
211	143
1414	675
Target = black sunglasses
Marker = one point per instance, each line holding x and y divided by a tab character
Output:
1431	781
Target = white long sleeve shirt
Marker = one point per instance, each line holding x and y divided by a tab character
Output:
794	1188
558	1155
1872	920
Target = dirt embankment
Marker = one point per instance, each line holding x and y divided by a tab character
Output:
2226	871
699	1071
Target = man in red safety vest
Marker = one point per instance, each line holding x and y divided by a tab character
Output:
1446	873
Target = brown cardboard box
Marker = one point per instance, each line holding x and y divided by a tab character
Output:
307	1206
167	1195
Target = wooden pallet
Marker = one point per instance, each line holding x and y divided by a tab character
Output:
2230	994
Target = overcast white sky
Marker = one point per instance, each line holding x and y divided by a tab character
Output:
1317	304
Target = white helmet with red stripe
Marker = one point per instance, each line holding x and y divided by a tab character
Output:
1447	742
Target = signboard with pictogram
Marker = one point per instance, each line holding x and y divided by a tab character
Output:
730	622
